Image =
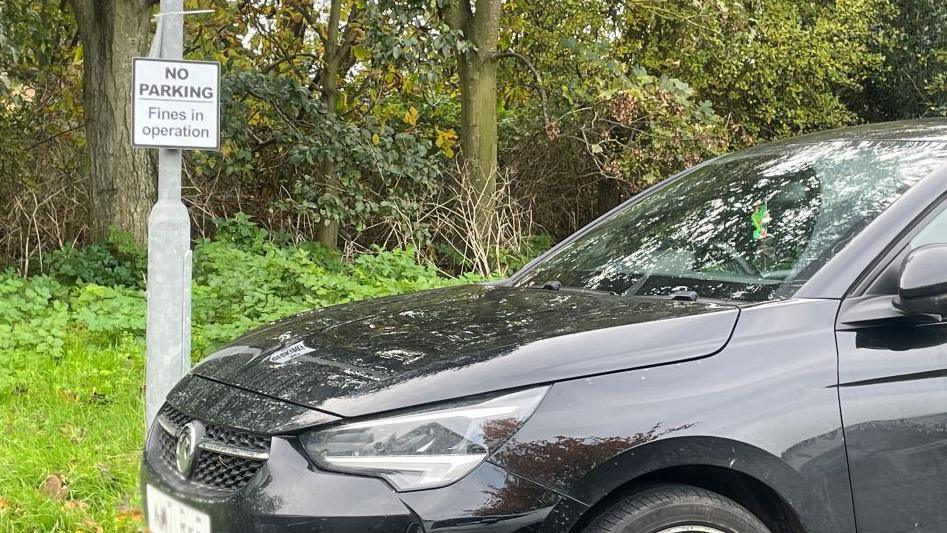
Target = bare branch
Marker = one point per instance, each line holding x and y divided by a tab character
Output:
54	136
539	83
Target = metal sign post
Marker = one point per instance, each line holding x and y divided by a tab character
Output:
169	228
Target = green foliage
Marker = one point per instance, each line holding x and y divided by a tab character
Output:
621	130
912	39
778	67
698	77
775	68
238	286
118	261
109	311
410	35
513	260
40	152
33	315
378	170
241	232
649	115
241	279
365	151
324	133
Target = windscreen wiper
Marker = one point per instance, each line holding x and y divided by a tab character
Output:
556	285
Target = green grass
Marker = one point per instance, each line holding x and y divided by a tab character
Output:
75	418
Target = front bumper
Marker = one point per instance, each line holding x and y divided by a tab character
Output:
289	494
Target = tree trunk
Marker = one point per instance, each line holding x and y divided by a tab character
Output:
329	230
478	87
609	196
123	181
478	131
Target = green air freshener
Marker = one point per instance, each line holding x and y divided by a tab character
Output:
760	219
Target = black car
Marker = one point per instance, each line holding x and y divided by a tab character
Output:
755	345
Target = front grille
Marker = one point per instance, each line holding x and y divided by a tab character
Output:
174	416
225	472
238	439
166	447
234	459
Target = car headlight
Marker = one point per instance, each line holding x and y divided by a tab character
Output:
423	449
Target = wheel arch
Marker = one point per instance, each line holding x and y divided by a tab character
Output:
756	497
763	483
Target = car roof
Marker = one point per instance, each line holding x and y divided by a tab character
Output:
921	130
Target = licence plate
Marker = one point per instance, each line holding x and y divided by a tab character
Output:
167	515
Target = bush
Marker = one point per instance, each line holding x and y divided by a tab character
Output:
118	261
242	278
33	314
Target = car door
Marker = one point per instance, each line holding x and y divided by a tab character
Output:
893	396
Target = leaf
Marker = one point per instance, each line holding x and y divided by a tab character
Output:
54	487
362	52
76	504
92	525
375	139
411	117
446	140
129	514
74	433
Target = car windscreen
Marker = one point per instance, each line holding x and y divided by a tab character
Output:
752	226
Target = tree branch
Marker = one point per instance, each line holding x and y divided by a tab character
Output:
539	84
53	137
351	36
306	11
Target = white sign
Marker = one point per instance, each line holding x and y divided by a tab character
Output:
176	104
289	353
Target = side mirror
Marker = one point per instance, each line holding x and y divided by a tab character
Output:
922	284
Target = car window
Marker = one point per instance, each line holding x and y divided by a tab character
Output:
934	233
752	226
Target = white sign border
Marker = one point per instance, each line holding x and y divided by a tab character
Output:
135	61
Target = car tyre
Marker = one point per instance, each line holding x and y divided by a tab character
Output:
676	509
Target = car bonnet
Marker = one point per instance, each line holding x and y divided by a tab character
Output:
385	354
